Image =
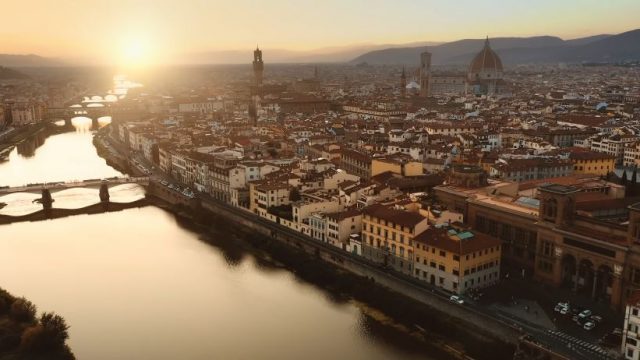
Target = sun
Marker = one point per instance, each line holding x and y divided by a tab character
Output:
135	52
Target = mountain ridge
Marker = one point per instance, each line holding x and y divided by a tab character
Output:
518	50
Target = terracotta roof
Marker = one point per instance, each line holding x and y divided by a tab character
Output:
400	217
441	239
486	60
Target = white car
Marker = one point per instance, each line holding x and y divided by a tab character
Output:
456	299
584	314
589	325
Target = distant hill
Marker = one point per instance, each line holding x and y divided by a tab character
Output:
9	74
539	49
327	54
11	60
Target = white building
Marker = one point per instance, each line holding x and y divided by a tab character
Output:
630	340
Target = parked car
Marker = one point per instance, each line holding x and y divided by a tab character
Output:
589	325
584	314
565	310
561	306
456	299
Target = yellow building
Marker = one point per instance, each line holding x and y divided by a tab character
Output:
398	164
264	195
591	162
457	259
388	236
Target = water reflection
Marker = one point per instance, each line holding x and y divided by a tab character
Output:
148	289
82	123
18	204
27	148
62	157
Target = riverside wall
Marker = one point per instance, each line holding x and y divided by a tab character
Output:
474	321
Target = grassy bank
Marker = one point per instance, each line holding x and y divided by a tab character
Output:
23	335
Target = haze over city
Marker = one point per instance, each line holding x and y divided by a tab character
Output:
171	31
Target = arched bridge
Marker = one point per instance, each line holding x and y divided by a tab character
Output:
47	188
91	183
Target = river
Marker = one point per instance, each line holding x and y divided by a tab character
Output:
138	284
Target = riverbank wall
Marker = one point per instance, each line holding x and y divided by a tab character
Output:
465	321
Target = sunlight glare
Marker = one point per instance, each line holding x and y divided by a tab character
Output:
135	52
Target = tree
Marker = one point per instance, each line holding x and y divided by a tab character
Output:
23	310
55	327
49	335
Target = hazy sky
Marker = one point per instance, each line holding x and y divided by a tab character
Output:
130	30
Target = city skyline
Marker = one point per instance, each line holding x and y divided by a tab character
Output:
166	32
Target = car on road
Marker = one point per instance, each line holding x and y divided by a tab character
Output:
456	299
560	306
565	311
589	325
584	314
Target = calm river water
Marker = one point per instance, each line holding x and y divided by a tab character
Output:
138	285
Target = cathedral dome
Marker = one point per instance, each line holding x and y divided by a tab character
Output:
487	62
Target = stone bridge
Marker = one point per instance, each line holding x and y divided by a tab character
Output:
47	188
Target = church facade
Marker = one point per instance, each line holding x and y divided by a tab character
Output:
484	76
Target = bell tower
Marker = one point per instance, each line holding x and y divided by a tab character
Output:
557	203
258	66
403	83
425	74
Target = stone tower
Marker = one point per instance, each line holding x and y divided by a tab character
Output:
557	203
403	83
425	74
258	66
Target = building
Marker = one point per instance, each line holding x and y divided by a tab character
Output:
340	227
530	169
264	195
258	67
484	76
403	83
398	164
356	163
631	330
569	232
425	74
388	236
457	259
485	73
588	162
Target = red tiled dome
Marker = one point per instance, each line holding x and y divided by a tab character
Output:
486	61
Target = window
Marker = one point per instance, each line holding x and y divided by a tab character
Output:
441	268
442	253
456	257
